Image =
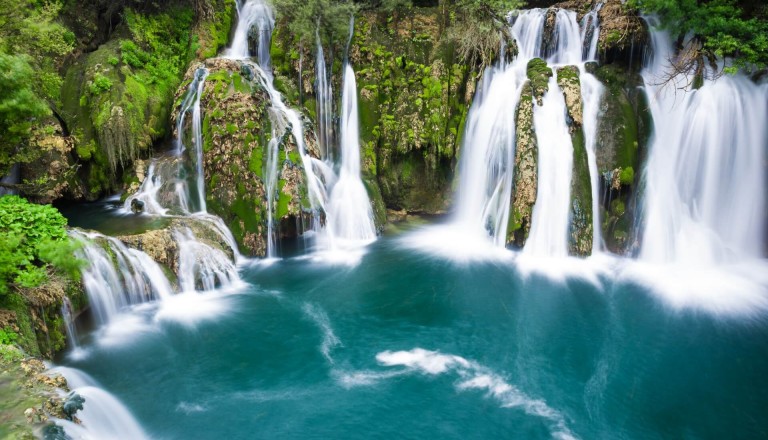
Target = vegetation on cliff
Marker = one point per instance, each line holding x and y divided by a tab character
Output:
710	30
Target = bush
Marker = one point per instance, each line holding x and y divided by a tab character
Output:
33	241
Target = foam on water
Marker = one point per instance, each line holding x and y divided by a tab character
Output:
473	376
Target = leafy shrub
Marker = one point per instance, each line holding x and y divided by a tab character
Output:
33	241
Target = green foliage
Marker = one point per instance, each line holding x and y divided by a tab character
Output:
307	18
30	27
32	242
99	84
8	336
719	28
627	176
20	106
477	28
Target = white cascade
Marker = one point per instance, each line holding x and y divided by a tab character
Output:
202	268
118	277
253	14
165	187
705	177
487	162
346	221
324	93
103	416
488	149
349	215
69	323
549	223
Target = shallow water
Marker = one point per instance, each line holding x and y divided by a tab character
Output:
409	345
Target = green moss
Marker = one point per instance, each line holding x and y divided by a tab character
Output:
627	176
538	73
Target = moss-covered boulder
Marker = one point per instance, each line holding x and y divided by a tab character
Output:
580	230
624	127
237	135
538	74
525	186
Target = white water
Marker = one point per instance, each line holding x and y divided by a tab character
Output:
705	177
103	416
324	93
349	215
69	323
201	267
118	278
253	14
487	159
166	171
551	213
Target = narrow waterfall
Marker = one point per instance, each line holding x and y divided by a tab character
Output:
69	323
118	276
324	93
166	188
487	160
705	177
549	230
591	94
350	216
252	14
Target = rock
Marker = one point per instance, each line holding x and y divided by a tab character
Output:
524	190
137	206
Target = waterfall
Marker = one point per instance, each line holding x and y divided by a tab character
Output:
324	93
253	14
171	170
549	230
69	323
350	216
591	94
488	150
590	32
103	415
487	160
117	276
704	195
201	267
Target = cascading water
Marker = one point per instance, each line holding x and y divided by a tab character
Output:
69	323
253	14
487	162
113	285
171	170
350	216
201	267
102	416
549	230
704	200
324	93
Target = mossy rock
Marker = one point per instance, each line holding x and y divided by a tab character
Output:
525	189
538	74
